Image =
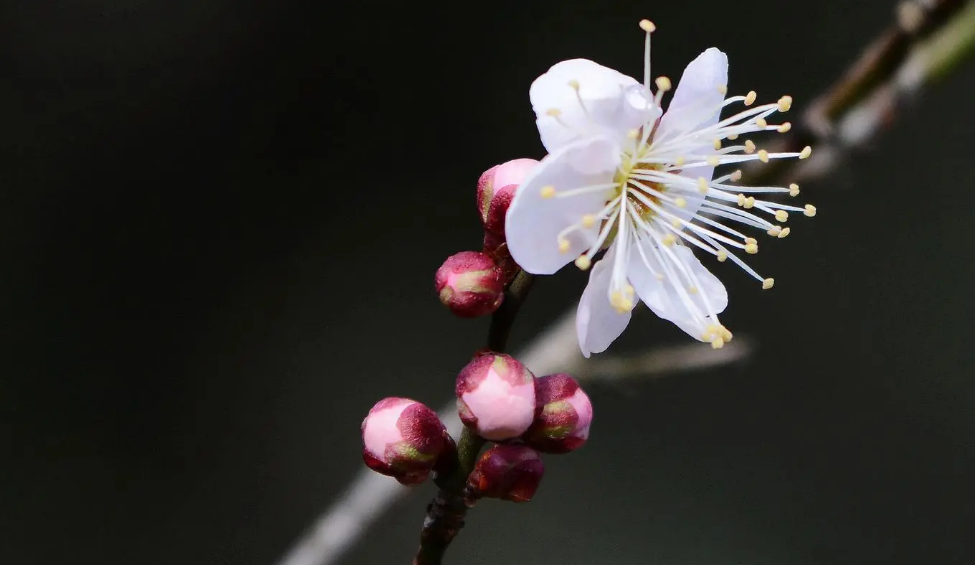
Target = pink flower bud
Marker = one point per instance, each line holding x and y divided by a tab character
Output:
403	439
509	472
496	188
566	413
470	284
496	396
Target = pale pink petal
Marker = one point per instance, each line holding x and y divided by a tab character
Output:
533	223
607	103
696	105
663	296
598	323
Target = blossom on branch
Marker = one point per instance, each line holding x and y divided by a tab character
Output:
625	177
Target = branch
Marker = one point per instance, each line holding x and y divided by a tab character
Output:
929	38
445	514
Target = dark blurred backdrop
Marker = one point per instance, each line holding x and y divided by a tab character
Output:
219	223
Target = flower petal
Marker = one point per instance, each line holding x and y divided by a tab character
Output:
697	101
598	323
534	222
696	105
608	103
664	297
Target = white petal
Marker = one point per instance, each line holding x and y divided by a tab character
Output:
608	103
533	223
697	100
696	105
598	323
664	298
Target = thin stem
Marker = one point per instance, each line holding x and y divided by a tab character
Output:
504	317
445	514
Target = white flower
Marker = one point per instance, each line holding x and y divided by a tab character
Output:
621	175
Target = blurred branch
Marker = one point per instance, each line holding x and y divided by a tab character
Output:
928	39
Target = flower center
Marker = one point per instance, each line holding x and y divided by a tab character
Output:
638	192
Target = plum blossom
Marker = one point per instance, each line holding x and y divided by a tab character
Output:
625	177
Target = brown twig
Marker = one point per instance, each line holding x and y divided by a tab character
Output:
445	514
866	81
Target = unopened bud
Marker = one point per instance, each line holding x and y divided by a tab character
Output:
403	438
496	188
509	472
496	396
566	413
470	284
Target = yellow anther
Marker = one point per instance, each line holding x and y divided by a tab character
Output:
717	344
574	84
679	161
669	240
680	202
751	249
751	241
785	127
717	144
548	191
768	283
733	136
749	146
763	156
714	161
749	202
785	103
676	223
785	232
741	199
647	26
782	216
583	262
793	189
664	84
702	185
620	302
588	221
722	256
805	153
553	112
723	89
692	290
774	231
810	210
762	123
564	245
750	98
736	176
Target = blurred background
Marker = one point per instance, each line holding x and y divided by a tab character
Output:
219	224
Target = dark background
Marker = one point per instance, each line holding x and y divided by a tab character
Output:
219	223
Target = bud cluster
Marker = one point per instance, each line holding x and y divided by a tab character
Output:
500	400
471	283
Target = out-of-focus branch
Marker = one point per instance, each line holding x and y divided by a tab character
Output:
927	40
